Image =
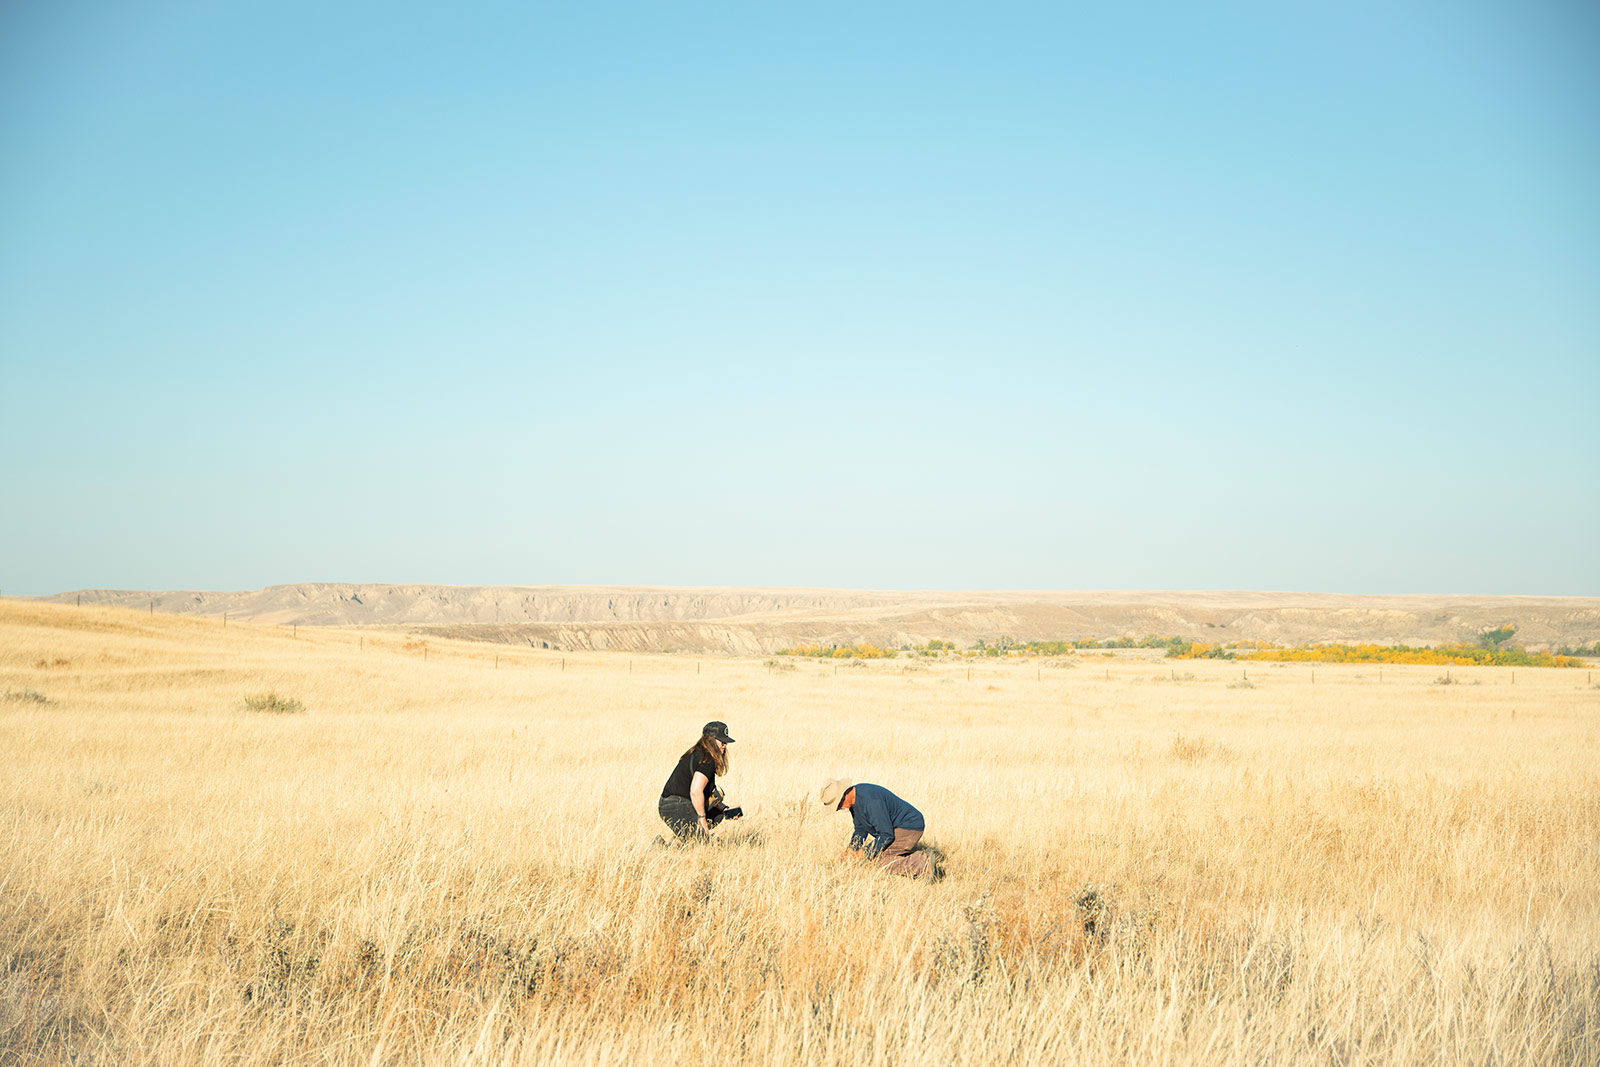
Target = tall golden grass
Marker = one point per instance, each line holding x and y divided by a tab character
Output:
445	861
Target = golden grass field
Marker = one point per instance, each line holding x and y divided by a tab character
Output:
445	861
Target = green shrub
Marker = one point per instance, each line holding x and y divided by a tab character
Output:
1493	639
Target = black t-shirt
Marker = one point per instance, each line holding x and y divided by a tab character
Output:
682	775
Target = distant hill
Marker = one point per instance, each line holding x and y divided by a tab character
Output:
760	621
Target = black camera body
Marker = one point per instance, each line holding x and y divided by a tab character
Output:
717	807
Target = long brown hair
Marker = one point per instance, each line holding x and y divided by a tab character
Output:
719	760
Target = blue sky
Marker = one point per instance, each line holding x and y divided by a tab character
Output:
889	296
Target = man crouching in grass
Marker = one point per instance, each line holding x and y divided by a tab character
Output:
894	826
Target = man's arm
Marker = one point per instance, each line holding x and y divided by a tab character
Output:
875	822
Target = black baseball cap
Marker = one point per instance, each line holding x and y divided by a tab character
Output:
719	731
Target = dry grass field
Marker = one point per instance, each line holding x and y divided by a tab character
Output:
447	859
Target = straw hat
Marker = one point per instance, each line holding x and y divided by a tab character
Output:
833	792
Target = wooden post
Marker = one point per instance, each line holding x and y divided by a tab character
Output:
361	642
563	663
424	653
295	632
497	663
697	669
80	600
224	620
152	608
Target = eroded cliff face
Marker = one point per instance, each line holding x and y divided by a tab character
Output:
966	627
343	604
762	621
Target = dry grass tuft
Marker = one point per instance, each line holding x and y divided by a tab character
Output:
1193	749
273	703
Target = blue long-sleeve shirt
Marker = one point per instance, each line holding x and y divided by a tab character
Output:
877	813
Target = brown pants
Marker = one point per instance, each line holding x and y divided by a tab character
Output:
897	857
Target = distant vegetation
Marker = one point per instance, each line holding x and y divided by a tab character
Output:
1444	655
862	650
1005	646
1492	639
1493	648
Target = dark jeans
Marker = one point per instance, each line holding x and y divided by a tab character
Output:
678	814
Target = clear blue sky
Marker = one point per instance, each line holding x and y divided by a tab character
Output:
1253	296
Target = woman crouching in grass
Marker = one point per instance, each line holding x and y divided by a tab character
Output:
690	802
